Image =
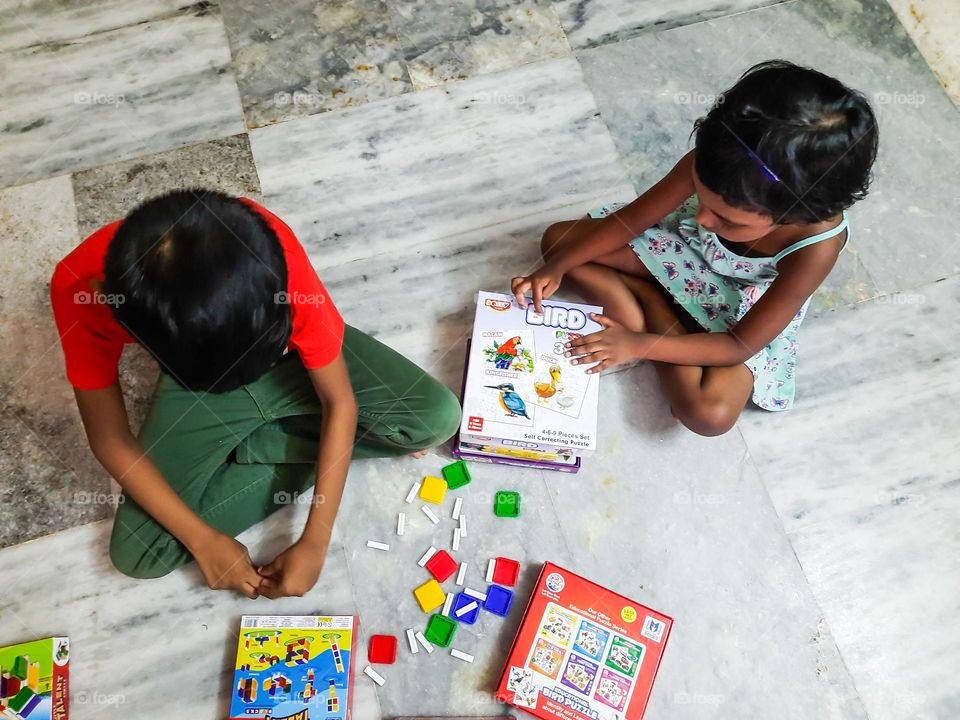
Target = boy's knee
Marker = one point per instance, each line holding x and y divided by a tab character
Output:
709	417
139	559
439	418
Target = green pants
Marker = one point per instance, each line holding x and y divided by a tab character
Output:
239	456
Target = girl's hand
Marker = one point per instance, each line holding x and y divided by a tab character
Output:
294	572
614	345
541	285
226	565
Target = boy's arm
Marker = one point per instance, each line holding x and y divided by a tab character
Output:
613	232
223	561
295	570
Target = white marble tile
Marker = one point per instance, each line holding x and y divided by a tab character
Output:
863	475
651	89
933	25
115	95
373	181
37	22
589	23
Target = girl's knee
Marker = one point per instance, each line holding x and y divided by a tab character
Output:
709	417
551	239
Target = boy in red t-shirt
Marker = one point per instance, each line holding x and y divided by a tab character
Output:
263	388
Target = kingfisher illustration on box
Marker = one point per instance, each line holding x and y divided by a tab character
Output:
294	667
520	391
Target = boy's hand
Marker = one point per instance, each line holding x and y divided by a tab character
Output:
293	572
226	565
541	285
614	345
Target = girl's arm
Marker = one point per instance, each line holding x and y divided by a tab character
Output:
223	561
295	571
611	233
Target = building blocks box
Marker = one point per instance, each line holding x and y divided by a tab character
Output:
583	652
294	667
520	392
34	680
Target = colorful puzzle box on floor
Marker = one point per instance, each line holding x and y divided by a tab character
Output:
34	679
295	667
520	392
583	652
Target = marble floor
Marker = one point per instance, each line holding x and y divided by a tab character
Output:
418	148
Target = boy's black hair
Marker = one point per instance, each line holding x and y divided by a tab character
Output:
201	276
815	134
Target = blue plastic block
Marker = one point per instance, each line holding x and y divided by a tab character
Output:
498	601
461	601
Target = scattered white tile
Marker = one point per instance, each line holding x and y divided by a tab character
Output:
413	492
460	655
401	523
490	567
457	506
462	573
447	605
423	641
430	514
412	642
431	551
377	545
373	675
475	594
469	607
463	525
456	538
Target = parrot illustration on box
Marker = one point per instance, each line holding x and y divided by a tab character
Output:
510	400
506	353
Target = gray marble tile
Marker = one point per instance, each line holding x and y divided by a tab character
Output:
38	22
372	182
863	476
309	56
589	23
48	477
454	40
683	524
674	76
157	648
115	94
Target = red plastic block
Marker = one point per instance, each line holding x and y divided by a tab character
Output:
382	650
506	571
441	565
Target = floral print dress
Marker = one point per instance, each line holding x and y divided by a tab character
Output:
717	288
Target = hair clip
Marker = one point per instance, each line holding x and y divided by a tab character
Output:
771	175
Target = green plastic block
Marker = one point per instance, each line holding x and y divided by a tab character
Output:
440	630
20	700
456	474
20	667
506	504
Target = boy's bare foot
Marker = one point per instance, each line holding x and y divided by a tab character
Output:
419	454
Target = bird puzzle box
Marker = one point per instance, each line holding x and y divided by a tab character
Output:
583	652
34	680
520	391
296	667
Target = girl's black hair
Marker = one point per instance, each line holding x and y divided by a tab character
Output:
201	281
811	131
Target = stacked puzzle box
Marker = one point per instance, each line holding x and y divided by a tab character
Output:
583	652
34	680
524	403
294	667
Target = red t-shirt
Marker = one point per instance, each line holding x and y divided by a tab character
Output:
93	340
